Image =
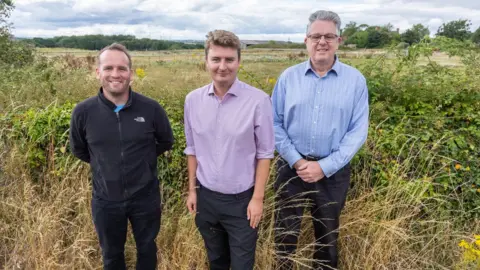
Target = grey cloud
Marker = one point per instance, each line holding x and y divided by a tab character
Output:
269	20
471	4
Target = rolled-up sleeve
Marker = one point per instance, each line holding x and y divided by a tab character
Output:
190	149
264	133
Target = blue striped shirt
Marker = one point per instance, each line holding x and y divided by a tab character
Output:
322	116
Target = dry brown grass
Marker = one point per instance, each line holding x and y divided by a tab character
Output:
47	225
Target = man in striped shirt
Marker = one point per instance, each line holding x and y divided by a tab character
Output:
320	110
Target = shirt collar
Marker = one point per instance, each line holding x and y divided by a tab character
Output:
335	68
234	89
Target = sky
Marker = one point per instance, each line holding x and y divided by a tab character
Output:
250	19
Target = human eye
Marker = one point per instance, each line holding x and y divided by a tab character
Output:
315	38
330	37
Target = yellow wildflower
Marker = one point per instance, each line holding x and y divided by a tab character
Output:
458	166
140	73
463	244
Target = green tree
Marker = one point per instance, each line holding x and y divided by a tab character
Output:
350	29
415	34
379	36
376	38
476	36
11	52
459	29
360	38
6	6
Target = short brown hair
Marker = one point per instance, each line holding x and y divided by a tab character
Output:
224	39
116	47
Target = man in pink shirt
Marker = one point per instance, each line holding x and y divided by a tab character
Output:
230	142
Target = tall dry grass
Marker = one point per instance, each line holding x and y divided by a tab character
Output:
46	224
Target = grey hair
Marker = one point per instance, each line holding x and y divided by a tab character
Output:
325	15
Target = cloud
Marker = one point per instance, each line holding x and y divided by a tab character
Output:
249	19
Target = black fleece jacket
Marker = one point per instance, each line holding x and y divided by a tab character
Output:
122	147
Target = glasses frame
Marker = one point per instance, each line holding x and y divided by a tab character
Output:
322	36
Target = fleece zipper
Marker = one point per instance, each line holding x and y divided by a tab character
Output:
125	193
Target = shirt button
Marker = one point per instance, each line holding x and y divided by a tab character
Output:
316	107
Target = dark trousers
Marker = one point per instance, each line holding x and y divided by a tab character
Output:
222	222
325	199
111	220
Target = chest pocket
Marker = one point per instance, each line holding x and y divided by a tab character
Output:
137	129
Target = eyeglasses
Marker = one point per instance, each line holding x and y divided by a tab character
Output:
315	38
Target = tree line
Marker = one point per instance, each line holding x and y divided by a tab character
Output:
366	36
97	42
359	35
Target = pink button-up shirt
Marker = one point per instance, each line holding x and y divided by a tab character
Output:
228	136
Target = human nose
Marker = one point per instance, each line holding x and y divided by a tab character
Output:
322	40
223	65
115	72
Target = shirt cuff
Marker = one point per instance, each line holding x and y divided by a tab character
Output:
328	167
264	155
189	151
292	157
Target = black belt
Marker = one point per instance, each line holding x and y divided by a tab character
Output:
310	158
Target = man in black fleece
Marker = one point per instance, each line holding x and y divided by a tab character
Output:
121	133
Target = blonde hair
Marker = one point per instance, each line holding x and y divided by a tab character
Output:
222	38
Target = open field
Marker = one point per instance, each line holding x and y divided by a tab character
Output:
248	55
415	191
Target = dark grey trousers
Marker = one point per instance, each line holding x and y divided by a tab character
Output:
325	199
222	222
111	221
